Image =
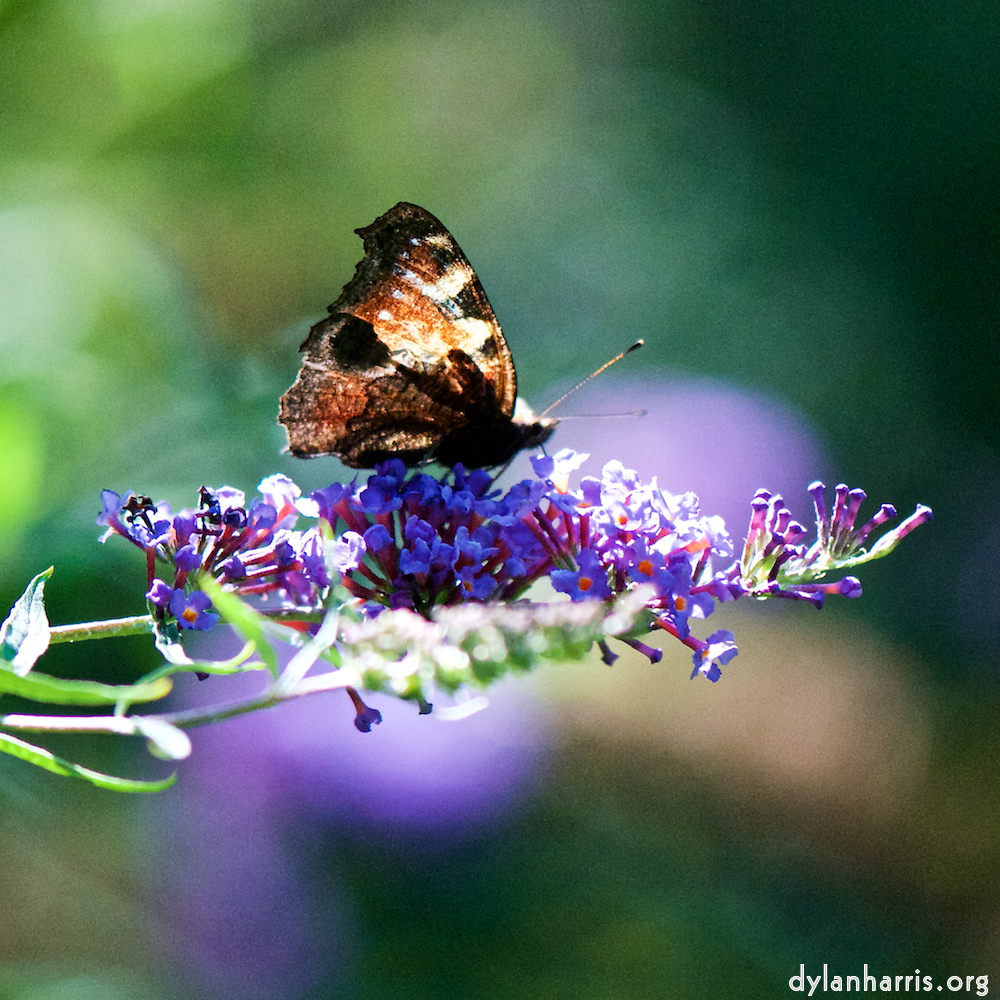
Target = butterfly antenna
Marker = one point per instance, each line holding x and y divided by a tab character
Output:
607	364
604	416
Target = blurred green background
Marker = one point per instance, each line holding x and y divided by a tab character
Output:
797	200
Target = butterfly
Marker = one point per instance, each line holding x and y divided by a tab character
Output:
411	362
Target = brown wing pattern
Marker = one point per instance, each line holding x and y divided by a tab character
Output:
411	362
424	300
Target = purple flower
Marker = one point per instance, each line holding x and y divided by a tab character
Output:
187	558
778	561
145	524
415	528
281	495
233	569
190	610
416	559
381	495
377	537
556	469
329	503
475	585
253	552
428	542
588	582
365	716
160	594
347	552
719	648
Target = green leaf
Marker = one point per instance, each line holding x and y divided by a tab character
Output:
57	765
24	636
244	619
234	665
57	691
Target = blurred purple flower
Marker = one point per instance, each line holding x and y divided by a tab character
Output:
697	434
417	776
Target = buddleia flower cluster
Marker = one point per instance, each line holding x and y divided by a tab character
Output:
425	586
411	544
248	549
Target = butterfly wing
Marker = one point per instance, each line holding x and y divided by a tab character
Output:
411	362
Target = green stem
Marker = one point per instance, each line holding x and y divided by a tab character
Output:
68	724
333	680
136	625
143	625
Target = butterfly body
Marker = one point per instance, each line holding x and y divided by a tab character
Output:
410	363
